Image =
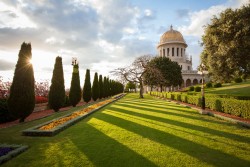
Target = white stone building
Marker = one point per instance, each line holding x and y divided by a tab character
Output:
173	46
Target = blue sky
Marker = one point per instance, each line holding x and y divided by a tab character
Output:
102	34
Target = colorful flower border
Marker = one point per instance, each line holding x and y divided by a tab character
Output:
57	125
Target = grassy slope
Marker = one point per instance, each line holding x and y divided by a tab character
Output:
137	132
238	89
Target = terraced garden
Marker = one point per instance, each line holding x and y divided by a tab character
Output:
136	132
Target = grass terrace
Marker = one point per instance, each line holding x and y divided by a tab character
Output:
136	132
237	89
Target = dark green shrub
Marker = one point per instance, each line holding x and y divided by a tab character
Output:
101	87
197	89
238	80
95	88
86	92
57	88
209	85
4	112
178	97
75	88
21	101
172	96
217	85
191	88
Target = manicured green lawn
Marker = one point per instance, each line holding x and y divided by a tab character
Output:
137	132
238	89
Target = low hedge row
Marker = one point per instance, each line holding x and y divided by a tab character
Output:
227	105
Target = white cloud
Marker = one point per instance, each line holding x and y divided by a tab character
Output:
198	19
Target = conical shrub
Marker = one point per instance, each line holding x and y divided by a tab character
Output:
75	88
57	88
21	101
86	93
95	88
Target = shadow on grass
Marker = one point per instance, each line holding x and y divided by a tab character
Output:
203	153
183	124
102	150
175	129
178	113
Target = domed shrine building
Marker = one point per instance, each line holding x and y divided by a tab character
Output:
173	46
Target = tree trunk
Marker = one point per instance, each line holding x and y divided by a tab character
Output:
161	88
141	89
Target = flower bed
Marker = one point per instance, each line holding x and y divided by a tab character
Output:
9	151
57	125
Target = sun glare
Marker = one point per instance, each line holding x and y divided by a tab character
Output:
30	61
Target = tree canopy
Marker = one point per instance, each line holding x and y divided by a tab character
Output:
75	88
86	92
166	73
226	52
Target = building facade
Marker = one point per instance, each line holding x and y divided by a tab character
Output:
173	46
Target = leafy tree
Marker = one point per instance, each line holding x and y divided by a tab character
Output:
95	88
87	94
101	87
170	72
57	88
21	101
135	71
75	88
226	52
131	85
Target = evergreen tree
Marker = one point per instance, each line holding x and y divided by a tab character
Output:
75	88
95	88
105	87
101	87
21	101
87	87
57	88
108	87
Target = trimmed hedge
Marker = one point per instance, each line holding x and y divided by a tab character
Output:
227	105
197	89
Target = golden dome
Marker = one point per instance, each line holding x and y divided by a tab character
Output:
172	36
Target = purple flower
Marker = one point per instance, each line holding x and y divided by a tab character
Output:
5	150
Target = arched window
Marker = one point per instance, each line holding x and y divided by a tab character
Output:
164	52
177	51
173	52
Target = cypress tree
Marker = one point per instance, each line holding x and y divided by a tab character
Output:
101	87
95	88
108	87
21	101
104	87
86	93
75	88
57	88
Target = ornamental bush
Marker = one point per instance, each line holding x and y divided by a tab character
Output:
217	85
101	87
191	88
238	80
21	101
197	89
214	102
95	88
57	88
75	88
209	85
86	93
